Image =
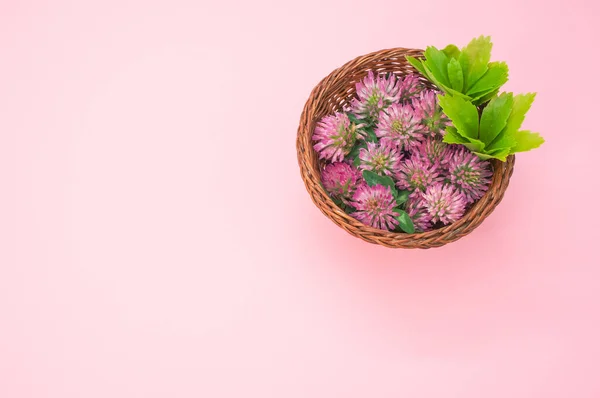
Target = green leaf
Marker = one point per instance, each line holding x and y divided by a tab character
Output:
479	77
483	156
451	51
474	145
347	208
417	63
365	125
455	93
429	75
502	141
405	223
373	178
497	154
452	137
483	98
526	141
521	104
474	59
494	117
496	76
463	114
402	197
356	120
500	154
356	149
437	62
455	75
355	152
432	78
371	136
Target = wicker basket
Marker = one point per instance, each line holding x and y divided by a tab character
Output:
332	94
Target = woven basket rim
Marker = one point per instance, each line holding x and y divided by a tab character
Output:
337	87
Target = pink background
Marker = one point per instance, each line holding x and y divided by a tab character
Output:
156	239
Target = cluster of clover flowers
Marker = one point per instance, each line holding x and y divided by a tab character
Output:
385	163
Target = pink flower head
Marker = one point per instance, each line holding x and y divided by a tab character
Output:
335	136
444	203
434	151
374	95
416	174
375	207
410	85
415	207
471	175
381	159
399	126
341	180
427	107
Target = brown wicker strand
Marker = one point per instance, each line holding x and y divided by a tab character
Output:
334	93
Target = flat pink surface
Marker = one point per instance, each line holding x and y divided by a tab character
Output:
156	239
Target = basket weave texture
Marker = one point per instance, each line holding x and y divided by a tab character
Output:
334	93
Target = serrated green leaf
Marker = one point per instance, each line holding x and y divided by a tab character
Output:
494	117
463	114
502	141
417	63
521	104
483	156
452	137
455	93
483	98
402	197
483	94
474	59
494	77
497	154
429	75
500	154
373	178
474	144
455	75
526	141
404	221
451	51
432	78
437	62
